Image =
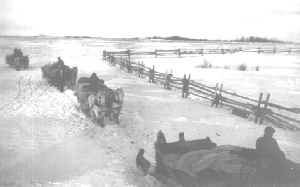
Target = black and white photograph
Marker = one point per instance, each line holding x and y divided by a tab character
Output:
141	93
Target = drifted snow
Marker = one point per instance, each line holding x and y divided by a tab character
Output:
45	140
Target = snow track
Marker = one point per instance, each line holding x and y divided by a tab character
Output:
25	92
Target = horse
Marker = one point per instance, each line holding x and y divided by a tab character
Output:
69	76
114	100
97	107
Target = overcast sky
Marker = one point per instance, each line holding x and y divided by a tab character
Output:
212	19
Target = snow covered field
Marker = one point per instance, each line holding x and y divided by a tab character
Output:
45	140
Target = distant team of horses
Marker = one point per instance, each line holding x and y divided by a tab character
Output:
96	100
17	60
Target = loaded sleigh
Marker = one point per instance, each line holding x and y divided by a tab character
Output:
97	100
202	163
61	76
17	60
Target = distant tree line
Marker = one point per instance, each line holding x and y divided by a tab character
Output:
257	39
242	39
177	38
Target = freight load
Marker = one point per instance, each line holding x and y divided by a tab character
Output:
17	60
59	75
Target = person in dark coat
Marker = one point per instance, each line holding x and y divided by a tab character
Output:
94	81
20	53
15	52
268	147
60	62
271	158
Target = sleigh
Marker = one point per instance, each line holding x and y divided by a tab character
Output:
202	163
82	90
61	77
17	62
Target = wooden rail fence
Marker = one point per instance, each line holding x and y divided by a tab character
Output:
241	105
179	52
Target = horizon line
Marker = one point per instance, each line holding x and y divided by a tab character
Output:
161	37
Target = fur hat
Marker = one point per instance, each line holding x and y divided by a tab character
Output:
269	129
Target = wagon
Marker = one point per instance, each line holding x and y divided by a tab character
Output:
202	163
61	77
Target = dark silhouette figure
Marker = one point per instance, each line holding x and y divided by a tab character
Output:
141	162
271	158
94	81
60	62
18	52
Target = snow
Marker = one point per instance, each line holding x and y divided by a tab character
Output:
45	140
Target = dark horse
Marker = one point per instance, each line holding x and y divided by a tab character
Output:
114	100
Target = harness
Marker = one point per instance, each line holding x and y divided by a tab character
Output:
115	100
99	105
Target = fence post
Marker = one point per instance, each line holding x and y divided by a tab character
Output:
258	107
265	107
215	96
155	53
128	51
142	69
129	66
289	50
169	80
113	60
179	53
139	68
121	63
153	81
274	50
222	50
183	85
151	75
166	77
201	51
240	49
258	50
219	97
188	84
104	54
124	63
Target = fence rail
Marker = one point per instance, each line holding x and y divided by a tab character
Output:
180	52
217	95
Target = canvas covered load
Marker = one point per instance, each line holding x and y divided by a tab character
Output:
200	162
217	159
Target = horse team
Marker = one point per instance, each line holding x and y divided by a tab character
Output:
17	60
96	100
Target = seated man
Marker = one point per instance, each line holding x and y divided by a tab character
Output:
15	52
20	53
94	81
270	156
60	62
